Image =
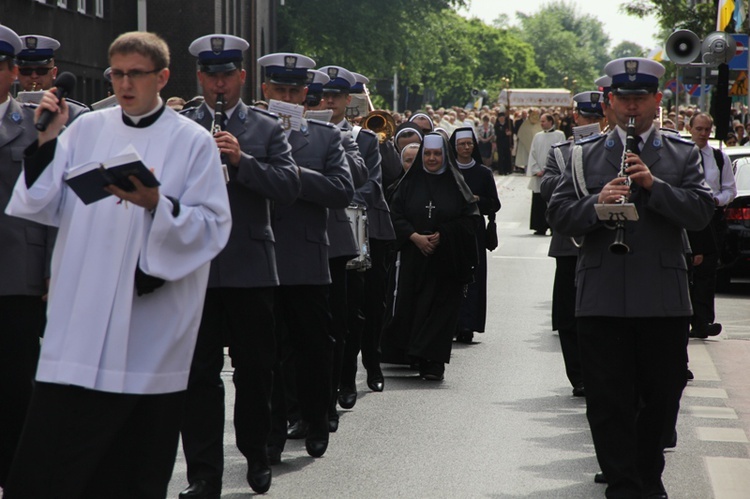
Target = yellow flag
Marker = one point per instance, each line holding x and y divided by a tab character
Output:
724	14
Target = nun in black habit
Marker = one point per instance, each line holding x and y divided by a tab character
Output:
434	215
480	180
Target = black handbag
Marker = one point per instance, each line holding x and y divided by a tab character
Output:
490	236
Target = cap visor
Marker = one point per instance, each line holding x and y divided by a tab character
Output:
287	81
219	68
33	62
633	91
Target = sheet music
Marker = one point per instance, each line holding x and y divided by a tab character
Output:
290	114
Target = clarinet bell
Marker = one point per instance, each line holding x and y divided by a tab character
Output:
618	247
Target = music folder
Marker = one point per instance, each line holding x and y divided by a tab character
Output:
89	180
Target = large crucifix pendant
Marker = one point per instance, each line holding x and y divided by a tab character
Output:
430	207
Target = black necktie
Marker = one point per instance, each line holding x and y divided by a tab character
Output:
636	145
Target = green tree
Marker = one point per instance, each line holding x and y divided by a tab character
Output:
628	49
678	14
567	45
437	53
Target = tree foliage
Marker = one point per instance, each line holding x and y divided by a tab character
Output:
628	49
437	53
567	45
678	14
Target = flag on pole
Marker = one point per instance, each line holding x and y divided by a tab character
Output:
724	14
739	15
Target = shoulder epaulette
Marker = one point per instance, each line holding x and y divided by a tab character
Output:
590	138
370	132
76	103
562	144
263	111
321	123
678	138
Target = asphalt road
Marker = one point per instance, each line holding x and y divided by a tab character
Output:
503	424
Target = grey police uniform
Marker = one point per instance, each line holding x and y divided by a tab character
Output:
25	254
680	199
266	173
340	236
239	301
633	310
302	252
301	228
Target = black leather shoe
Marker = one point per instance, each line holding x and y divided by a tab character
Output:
375	380
297	430
200	489
274	454
465	336
703	332
432	370
333	425
578	390
600	478
713	329
347	397
259	477
690	375
316	447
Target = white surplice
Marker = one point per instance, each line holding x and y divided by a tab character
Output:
100	334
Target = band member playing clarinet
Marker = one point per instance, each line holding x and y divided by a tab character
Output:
633	309
239	301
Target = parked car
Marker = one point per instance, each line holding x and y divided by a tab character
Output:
735	255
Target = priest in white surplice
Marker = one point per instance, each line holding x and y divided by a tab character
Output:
117	349
540	147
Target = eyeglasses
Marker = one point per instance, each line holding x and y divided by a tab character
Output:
41	71
135	74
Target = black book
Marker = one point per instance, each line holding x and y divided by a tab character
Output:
89	180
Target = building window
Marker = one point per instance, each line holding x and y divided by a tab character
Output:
82	6
62	3
99	8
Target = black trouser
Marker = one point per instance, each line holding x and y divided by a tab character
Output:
80	443
563	316
242	318
634	373
21	325
367	305
303	312
703	290
339	329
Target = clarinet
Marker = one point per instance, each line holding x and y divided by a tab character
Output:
218	126
618	247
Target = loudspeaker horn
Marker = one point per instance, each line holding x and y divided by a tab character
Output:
683	46
718	48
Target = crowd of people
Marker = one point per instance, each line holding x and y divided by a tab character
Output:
253	238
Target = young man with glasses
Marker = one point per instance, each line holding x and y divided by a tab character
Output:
37	70
128	281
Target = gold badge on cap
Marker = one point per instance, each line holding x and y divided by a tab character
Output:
32	42
594	98
631	68
290	62
217	45
333	73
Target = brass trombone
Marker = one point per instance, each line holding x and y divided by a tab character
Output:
382	123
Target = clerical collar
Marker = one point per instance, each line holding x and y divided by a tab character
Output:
227	112
624	135
552	129
466	166
145	120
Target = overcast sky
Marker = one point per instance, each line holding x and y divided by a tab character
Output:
618	26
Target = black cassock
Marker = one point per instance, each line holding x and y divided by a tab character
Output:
473	313
425	292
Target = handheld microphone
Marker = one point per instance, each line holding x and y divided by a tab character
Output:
65	84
